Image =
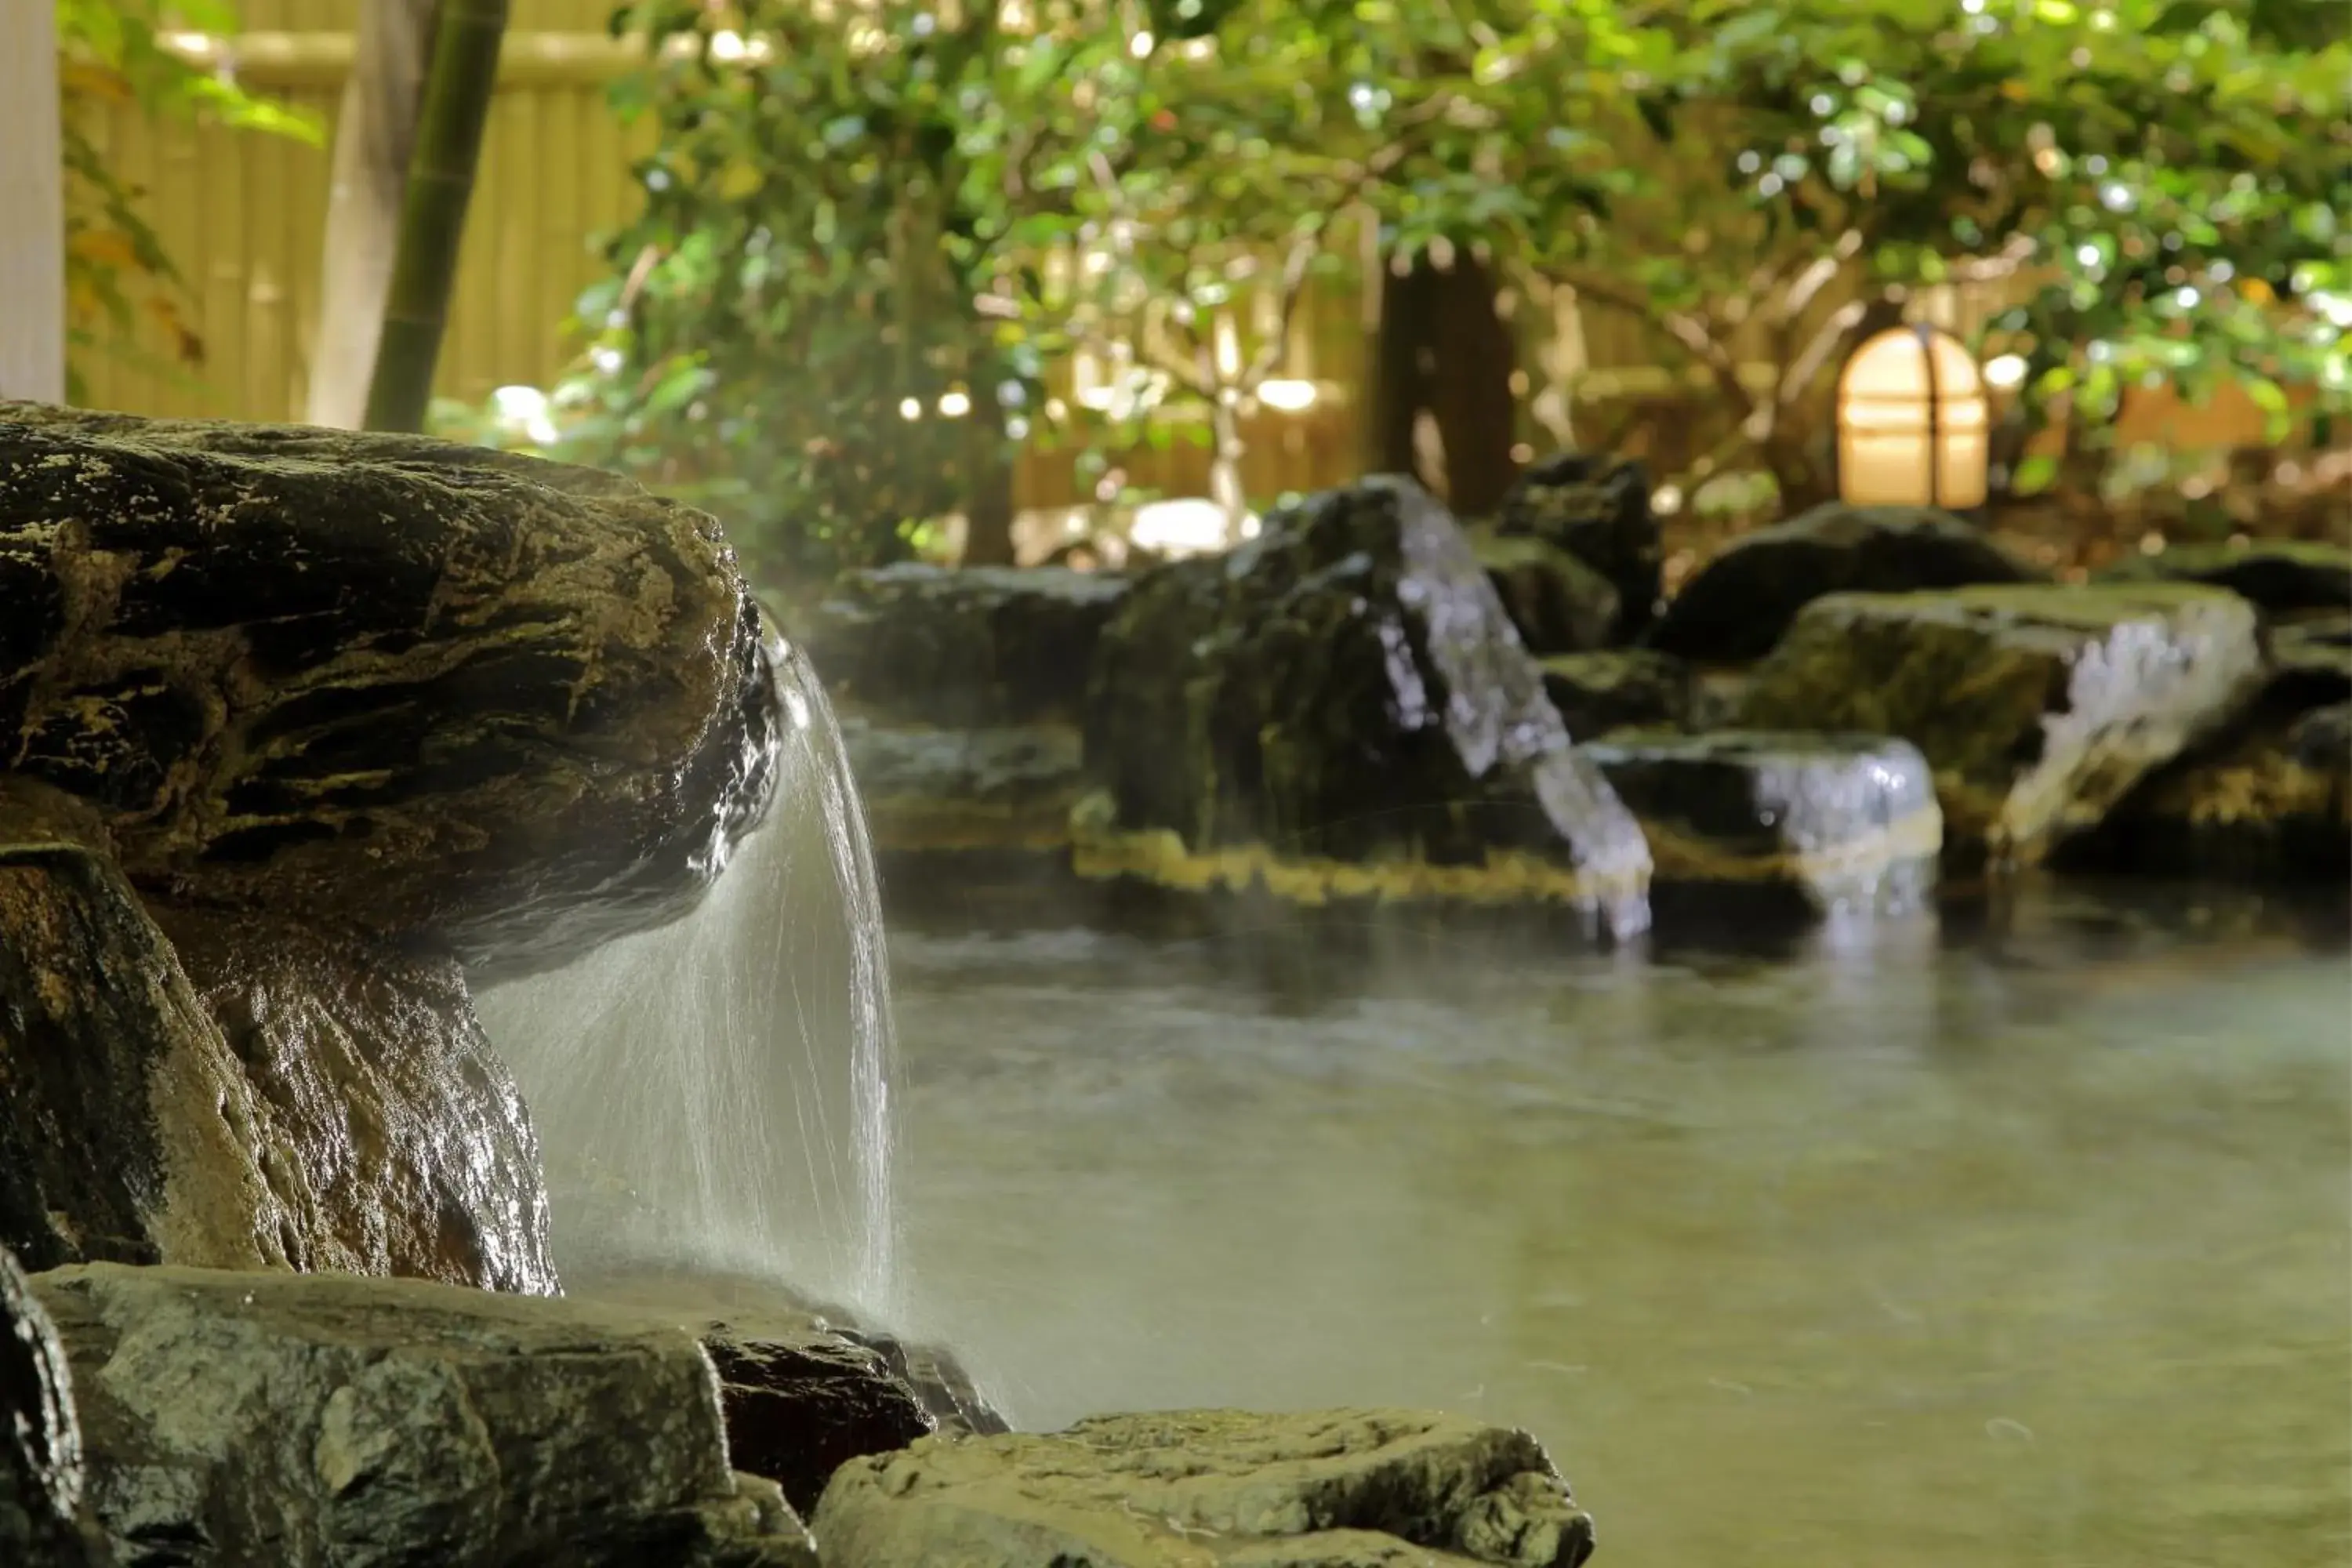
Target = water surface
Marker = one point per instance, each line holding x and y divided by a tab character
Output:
2020	1239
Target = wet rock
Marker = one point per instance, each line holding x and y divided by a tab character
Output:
2269	806
981	646
386	1116
41	1479
2311	662
2038	707
232	1420
940	1383
128	1131
1598	509
244	1096
1340	708
1559	604
2277	575
994	787
1598	692
1326	1489
1740	602
386	679
1819	822
2323	737
799	1409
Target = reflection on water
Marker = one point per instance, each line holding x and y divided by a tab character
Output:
2027	1243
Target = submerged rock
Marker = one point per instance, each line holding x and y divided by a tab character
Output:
1740	602
997	787
1598	509
381	679
234	1420
1364	1488
1598	692
1559	604
1828	822
1340	708
40	1439
2038	707
2278	575
977	647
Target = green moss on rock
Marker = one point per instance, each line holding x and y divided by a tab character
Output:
2038	707
1839	821
1343	701
1740	602
2277	575
1598	692
1559	604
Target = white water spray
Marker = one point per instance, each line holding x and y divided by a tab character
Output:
712	1095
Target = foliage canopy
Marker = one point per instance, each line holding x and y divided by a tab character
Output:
859	216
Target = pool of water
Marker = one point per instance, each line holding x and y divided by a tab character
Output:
2018	1238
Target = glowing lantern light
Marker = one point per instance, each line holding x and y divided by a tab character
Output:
1912	422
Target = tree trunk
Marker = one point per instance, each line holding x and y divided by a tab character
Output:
1470	393
1442	350
375	136
456	107
32	195
1400	372
988	471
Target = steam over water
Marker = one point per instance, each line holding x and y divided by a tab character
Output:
712	1095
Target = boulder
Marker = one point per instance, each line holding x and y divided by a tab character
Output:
128	1129
976	647
386	1113
421	687
248	1095
1598	692
2038	707
1598	509
1559	604
1342	708
798	1408
2311	662
940	1383
2271	805
1823	823
296	1420
1350	1489
1740	602
994	787
41	1523
2279	576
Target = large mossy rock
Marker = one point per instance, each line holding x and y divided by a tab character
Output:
1366	1488
978	647
2279	576
41	1476
1598	692
1560	603
1342	708
1812	823
1598	509
386	681
1740	604
2038	707
2272	804
218	1092
301	1421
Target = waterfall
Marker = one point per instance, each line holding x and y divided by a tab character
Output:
712	1095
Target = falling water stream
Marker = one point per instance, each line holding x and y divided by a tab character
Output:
711	1096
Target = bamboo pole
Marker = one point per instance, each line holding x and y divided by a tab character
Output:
457	91
32	206
375	136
